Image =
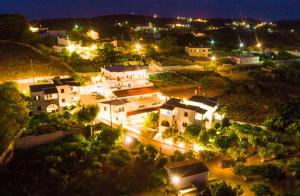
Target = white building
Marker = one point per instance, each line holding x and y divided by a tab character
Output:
119	77
245	60
130	96
178	113
55	96
93	34
198	51
183	175
130	105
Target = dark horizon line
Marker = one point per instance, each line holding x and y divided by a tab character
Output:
145	15
165	17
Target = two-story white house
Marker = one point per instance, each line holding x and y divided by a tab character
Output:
130	105
180	113
119	77
55	96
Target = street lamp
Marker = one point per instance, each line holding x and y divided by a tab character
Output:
71	48
258	45
213	58
181	145
138	47
175	180
241	45
128	140
197	148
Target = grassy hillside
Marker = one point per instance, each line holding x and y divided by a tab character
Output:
15	63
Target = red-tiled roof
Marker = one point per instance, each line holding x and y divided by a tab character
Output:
132	113
135	92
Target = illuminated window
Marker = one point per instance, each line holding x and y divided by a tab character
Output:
37	98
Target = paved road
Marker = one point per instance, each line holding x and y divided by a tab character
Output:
214	170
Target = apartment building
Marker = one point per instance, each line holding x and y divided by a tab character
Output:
198	51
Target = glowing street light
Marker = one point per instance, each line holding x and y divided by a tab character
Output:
169	142
71	48
212	42
258	45
93	46
181	145
175	180
128	140
241	45
197	148
138	47
213	58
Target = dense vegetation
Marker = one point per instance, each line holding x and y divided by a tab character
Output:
14	114
81	166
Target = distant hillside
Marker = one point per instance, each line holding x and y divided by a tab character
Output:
15	63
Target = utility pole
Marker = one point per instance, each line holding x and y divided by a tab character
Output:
110	112
31	67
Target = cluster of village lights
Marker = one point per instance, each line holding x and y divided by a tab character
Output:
196	147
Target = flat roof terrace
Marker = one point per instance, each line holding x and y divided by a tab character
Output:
135	92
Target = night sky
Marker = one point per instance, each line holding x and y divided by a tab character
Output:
259	9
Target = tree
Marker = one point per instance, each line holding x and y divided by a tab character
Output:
151	53
193	131
152	120
260	189
168	44
119	158
14	113
222	189
177	156
151	151
294	165
88	113
13	27
108	55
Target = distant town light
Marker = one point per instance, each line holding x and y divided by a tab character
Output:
155	16
34	29
175	180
